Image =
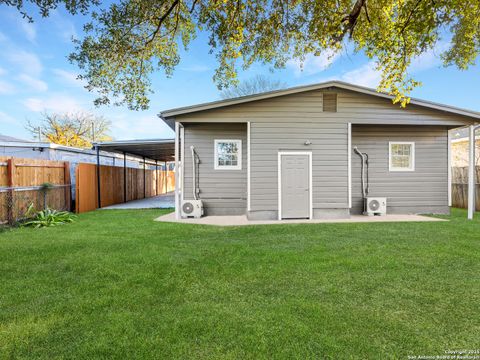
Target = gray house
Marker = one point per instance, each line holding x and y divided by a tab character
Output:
291	153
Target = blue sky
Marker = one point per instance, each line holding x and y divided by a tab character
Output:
36	76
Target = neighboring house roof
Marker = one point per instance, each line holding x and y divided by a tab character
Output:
6	138
298	89
465	139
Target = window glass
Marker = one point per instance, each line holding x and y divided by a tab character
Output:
401	156
228	154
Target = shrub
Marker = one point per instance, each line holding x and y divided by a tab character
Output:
49	217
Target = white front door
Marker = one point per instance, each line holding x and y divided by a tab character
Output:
294	185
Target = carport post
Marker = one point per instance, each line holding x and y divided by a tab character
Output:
166	178
156	177
144	180
99	196
471	172
124	177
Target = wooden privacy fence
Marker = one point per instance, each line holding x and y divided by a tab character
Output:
140	184
460	187
21	183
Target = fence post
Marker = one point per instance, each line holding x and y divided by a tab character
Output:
11	191
68	188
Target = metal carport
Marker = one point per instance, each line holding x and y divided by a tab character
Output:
151	151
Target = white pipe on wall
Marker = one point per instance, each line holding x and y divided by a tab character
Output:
194	173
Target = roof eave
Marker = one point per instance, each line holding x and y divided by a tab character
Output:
169	114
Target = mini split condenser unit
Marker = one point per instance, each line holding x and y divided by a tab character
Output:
375	206
192	208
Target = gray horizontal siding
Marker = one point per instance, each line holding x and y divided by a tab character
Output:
284	123
329	161
222	191
352	107
421	191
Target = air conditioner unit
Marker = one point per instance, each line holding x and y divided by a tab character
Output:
375	206
192	208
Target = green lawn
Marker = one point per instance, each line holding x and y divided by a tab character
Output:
115	284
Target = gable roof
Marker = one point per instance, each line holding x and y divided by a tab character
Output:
298	89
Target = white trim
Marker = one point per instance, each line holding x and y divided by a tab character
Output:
182	162
310	182
239	157
449	169
177	148
349	164
248	167
471	172
412	165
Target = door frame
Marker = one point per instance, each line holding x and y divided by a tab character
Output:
309	154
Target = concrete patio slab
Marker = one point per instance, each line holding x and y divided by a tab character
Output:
243	221
163	201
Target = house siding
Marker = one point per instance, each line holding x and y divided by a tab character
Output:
222	191
284	124
329	163
424	190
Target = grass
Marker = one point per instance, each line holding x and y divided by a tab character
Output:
115	284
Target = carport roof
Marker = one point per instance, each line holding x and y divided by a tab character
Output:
153	149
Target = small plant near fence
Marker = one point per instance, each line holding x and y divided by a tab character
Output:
44	183
46	217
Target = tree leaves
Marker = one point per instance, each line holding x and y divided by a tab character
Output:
79	129
129	41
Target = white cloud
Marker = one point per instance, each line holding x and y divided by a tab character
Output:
55	103
365	75
66	28
33	83
68	77
428	59
7	119
26	62
6	87
29	30
133	126
313	64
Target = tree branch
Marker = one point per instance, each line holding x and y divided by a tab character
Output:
160	22
349	21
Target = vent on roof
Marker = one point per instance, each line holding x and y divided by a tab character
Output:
329	102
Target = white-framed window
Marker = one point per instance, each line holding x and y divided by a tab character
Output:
401	155
228	154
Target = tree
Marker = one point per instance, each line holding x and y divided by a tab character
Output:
78	129
128	40
254	85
